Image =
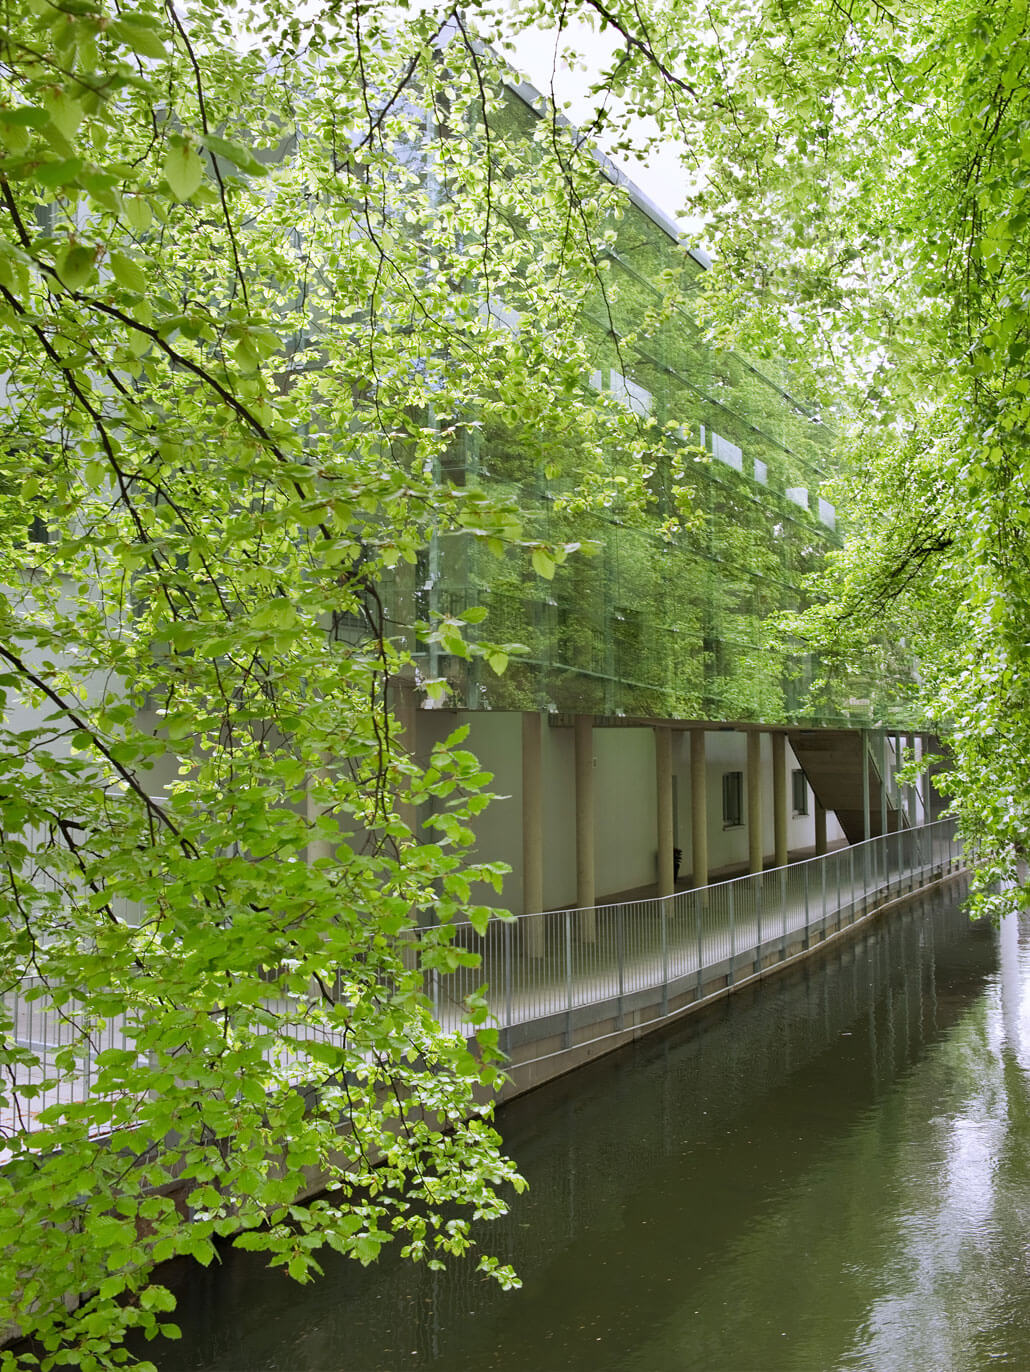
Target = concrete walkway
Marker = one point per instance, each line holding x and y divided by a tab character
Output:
557	963
541	965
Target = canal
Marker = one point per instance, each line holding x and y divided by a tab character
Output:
828	1171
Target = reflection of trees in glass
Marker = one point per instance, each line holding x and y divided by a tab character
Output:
676	479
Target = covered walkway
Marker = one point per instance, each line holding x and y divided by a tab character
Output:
570	980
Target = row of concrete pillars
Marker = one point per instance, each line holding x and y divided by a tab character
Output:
586	894
533	846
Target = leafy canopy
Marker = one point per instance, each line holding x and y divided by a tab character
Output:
246	274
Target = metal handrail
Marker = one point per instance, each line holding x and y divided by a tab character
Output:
628	964
635	962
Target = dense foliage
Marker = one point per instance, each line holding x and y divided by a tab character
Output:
881	153
244	319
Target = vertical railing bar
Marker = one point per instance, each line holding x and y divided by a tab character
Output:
507	987
808	931
665	957
733	933
758	927
568	978
620	941
698	901
783	909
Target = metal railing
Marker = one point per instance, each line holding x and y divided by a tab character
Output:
633	962
561	973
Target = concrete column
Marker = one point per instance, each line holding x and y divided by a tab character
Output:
755	846
779	772
318	847
927	786
820	828
866	818
910	790
884	781
532	833
586	896
663	781
698	807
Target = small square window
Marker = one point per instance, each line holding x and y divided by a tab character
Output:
732	798
799	788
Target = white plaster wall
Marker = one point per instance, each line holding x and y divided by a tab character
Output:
625	810
496	740
558	782
625	802
725	751
801	828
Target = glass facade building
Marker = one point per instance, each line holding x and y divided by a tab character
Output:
668	612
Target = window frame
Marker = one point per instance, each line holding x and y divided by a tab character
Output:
732	800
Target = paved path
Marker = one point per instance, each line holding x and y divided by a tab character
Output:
541	965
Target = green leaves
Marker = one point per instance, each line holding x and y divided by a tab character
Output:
261	430
127	272
140	33
237	153
65	112
138	213
76	265
543	563
183	169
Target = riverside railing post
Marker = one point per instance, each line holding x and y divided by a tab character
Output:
822	877
698	899
758	928
783	909
898	836
619	947
507	985
733	941
808	932
568	978
665	958
917	851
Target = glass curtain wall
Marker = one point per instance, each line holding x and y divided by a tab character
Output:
668	613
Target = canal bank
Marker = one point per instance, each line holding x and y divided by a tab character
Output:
826	1170
569	986
566	987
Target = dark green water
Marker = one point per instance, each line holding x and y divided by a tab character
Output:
829	1172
